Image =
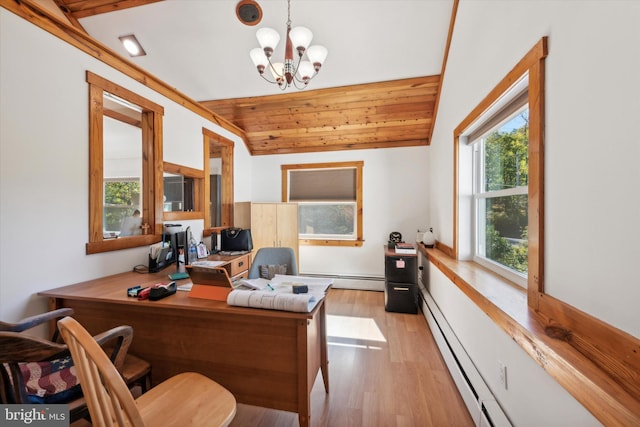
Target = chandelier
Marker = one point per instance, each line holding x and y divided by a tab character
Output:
288	73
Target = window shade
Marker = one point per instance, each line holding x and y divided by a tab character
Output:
327	184
501	115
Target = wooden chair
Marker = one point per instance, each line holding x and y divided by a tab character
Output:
17	347
182	400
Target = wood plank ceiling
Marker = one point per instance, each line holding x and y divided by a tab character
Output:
396	113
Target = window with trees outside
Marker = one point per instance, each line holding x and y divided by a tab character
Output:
500	190
499	178
329	197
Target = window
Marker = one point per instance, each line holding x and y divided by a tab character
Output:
500	188
329	197
125	164
499	178
184	193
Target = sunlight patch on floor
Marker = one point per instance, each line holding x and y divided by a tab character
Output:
358	332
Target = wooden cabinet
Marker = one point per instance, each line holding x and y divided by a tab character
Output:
271	224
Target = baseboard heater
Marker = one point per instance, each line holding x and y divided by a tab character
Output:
344	281
480	402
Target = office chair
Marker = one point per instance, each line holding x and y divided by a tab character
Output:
184	399
37	370
273	256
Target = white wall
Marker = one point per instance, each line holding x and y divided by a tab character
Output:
391	202
44	165
591	158
593	97
532	397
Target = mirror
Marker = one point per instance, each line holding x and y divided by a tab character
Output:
125	160
218	167
122	169
215	194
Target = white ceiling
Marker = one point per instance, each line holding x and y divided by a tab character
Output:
202	49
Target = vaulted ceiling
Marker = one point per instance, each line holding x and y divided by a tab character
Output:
378	87
397	113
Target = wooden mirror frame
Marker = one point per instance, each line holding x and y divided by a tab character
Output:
214	143
151	124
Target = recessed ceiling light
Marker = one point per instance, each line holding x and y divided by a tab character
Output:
132	45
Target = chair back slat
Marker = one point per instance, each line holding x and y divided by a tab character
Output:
86	368
109	400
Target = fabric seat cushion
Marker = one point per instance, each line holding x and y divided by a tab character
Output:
268	271
53	381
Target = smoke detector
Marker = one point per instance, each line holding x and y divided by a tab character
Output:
249	12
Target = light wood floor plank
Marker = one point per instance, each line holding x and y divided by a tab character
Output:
385	370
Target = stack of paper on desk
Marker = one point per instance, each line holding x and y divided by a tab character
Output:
272	300
277	293
251	284
207	264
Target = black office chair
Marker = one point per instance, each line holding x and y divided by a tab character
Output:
273	261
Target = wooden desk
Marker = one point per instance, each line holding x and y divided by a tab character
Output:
264	357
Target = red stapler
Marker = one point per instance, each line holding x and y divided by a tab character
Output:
144	293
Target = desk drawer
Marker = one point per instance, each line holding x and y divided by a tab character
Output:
238	265
243	275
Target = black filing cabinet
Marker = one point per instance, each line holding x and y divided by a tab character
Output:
401	282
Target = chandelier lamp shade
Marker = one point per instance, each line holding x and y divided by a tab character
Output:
288	73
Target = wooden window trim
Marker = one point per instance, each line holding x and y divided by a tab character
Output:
151	125
533	64
358	165
598	364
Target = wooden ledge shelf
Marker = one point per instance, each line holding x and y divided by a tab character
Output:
605	393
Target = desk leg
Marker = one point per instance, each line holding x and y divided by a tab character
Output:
54	304
304	348
324	357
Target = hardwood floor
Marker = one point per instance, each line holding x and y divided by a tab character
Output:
384	370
